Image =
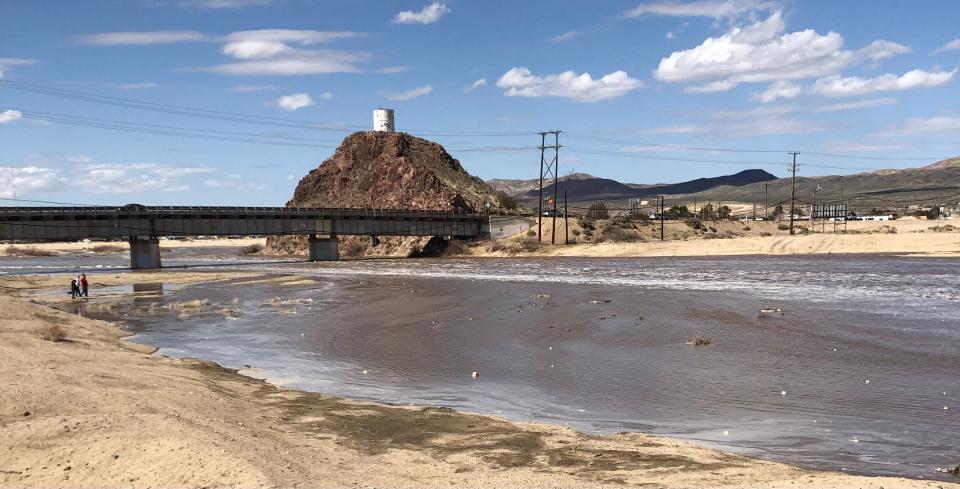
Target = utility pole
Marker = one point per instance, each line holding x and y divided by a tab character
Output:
661	218
548	170
566	221
766	210
543	141
793	187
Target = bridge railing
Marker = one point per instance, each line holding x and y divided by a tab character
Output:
165	211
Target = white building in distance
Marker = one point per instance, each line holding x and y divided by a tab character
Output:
383	120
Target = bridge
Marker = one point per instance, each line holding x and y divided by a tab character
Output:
143	225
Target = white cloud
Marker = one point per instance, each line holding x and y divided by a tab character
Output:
475	85
299	36
10	115
520	82
427	15
314	64
953	45
255	49
326	95
762	52
670	35
409	94
252	88
140	38
8	62
836	86
860	104
235	182
764	120
922	126
858	147
225	4
389	70
138	86
566	36
716	9
679	129
778	89
269	52
295	101
712	87
114	178
881	50
28	179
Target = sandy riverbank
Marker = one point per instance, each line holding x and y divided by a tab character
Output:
123	246
95	411
911	237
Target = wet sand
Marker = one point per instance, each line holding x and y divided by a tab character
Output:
93	410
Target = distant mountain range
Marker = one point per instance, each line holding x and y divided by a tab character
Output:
583	187
940	178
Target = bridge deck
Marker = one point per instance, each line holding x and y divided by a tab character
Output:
131	221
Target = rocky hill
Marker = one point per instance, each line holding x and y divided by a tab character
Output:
392	170
387	171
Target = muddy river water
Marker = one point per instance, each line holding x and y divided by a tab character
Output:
859	373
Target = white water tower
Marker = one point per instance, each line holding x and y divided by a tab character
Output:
383	120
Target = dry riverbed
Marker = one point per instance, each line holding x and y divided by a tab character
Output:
82	408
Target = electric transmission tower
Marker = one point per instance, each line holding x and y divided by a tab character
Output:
548	170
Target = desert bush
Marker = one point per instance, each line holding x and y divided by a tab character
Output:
53	332
694	223
575	232
783	227
765	234
746	228
598	210
531	233
354	247
513	247
252	249
108	249
621	235
712	229
507	202
455	247
947	228
885	229
17	251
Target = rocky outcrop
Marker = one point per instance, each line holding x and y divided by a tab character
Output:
387	171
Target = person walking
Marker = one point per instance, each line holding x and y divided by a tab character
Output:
73	288
84	291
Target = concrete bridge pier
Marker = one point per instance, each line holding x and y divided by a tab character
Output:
323	249
144	253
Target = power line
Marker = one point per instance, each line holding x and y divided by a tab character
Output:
215	135
224	115
744	150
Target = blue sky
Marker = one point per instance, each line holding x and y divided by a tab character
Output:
639	88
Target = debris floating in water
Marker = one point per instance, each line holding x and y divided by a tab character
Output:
770	311
783	393
701	341
726	433
949	470
474	374
365	372
866	381
854	439
600	301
